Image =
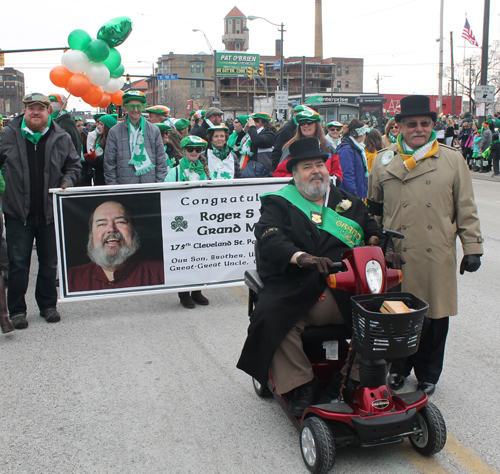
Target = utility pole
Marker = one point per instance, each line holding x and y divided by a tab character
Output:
440	92
303	88
452	76
216	85
485	48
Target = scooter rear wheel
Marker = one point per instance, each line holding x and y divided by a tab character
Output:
433	436
317	445
261	390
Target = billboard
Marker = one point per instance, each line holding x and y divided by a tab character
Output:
236	64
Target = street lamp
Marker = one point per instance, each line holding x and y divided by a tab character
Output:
208	42
251	18
214	54
152	77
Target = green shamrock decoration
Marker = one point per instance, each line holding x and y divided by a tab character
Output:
179	224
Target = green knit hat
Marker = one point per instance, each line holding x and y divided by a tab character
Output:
192	113
77	119
218	127
261	115
300	109
243	119
193	140
164	127
158	109
109	120
96	117
134	95
181	124
334	124
307	115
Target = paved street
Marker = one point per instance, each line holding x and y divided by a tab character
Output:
142	385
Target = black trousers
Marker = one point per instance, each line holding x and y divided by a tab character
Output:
427	362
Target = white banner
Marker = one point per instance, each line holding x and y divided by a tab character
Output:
131	239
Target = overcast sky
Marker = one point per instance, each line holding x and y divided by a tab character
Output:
396	38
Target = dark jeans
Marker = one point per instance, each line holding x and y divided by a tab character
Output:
20	238
495	166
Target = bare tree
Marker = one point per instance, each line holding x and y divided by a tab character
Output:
468	72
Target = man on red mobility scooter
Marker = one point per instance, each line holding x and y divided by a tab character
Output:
303	229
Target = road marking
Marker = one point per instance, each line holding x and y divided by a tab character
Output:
454	449
466	458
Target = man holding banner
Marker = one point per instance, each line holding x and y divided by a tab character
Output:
298	239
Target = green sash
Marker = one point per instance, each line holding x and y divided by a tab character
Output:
344	229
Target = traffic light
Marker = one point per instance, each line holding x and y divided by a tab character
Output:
250	72
127	78
262	69
2	59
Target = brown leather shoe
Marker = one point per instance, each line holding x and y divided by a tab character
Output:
198	298
5	323
186	300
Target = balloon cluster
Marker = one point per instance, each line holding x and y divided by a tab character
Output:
92	68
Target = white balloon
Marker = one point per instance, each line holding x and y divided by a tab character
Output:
98	74
75	61
121	81
112	86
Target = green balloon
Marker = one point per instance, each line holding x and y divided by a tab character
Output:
113	60
79	39
115	31
97	51
118	72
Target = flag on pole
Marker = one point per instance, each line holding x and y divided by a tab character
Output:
468	34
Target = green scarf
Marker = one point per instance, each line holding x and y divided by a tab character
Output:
231	142
170	161
221	154
392	138
140	158
33	137
188	168
343	228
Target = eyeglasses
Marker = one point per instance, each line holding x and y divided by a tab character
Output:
396	127
336	129
423	124
131	107
307	122
197	149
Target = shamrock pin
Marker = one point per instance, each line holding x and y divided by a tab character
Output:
225	175
179	224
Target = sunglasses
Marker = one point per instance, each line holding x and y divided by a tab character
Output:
423	124
131	107
197	149
396	128
337	129
307	122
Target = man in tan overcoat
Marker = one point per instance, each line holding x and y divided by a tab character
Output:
424	190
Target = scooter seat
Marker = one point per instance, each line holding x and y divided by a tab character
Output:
330	332
254	281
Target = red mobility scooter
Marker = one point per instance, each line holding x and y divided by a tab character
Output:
370	414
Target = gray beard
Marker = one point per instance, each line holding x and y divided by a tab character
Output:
312	191
105	260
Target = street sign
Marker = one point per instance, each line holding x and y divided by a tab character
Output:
232	65
216	101
167	77
485	94
277	65
281	99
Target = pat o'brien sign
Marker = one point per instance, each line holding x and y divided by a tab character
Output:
122	240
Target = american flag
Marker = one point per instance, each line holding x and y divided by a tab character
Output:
468	34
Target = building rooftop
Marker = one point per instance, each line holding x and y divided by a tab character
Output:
235	12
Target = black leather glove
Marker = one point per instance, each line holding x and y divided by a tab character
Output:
394	260
323	264
65	185
470	263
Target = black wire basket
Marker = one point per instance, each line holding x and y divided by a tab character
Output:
387	336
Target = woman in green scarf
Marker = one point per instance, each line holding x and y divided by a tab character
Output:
190	168
170	153
221	160
391	133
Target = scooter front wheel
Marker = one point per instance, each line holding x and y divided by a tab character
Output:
432	438
261	390
317	445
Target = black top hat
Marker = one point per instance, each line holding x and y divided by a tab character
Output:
415	105
304	149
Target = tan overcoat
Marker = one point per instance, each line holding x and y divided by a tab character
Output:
431	205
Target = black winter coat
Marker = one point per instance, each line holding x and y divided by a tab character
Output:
284	135
290	291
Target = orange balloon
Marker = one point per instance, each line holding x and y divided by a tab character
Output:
79	85
94	95
105	101
116	98
60	76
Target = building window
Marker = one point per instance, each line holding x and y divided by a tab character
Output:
237	22
310	83
192	67
193	84
347	69
347	84
339	69
230	22
339	84
237	32
238	46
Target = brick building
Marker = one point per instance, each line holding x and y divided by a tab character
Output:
11	91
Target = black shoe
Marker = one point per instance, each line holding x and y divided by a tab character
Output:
186	300
427	387
198	298
50	315
304	396
19	321
396	381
